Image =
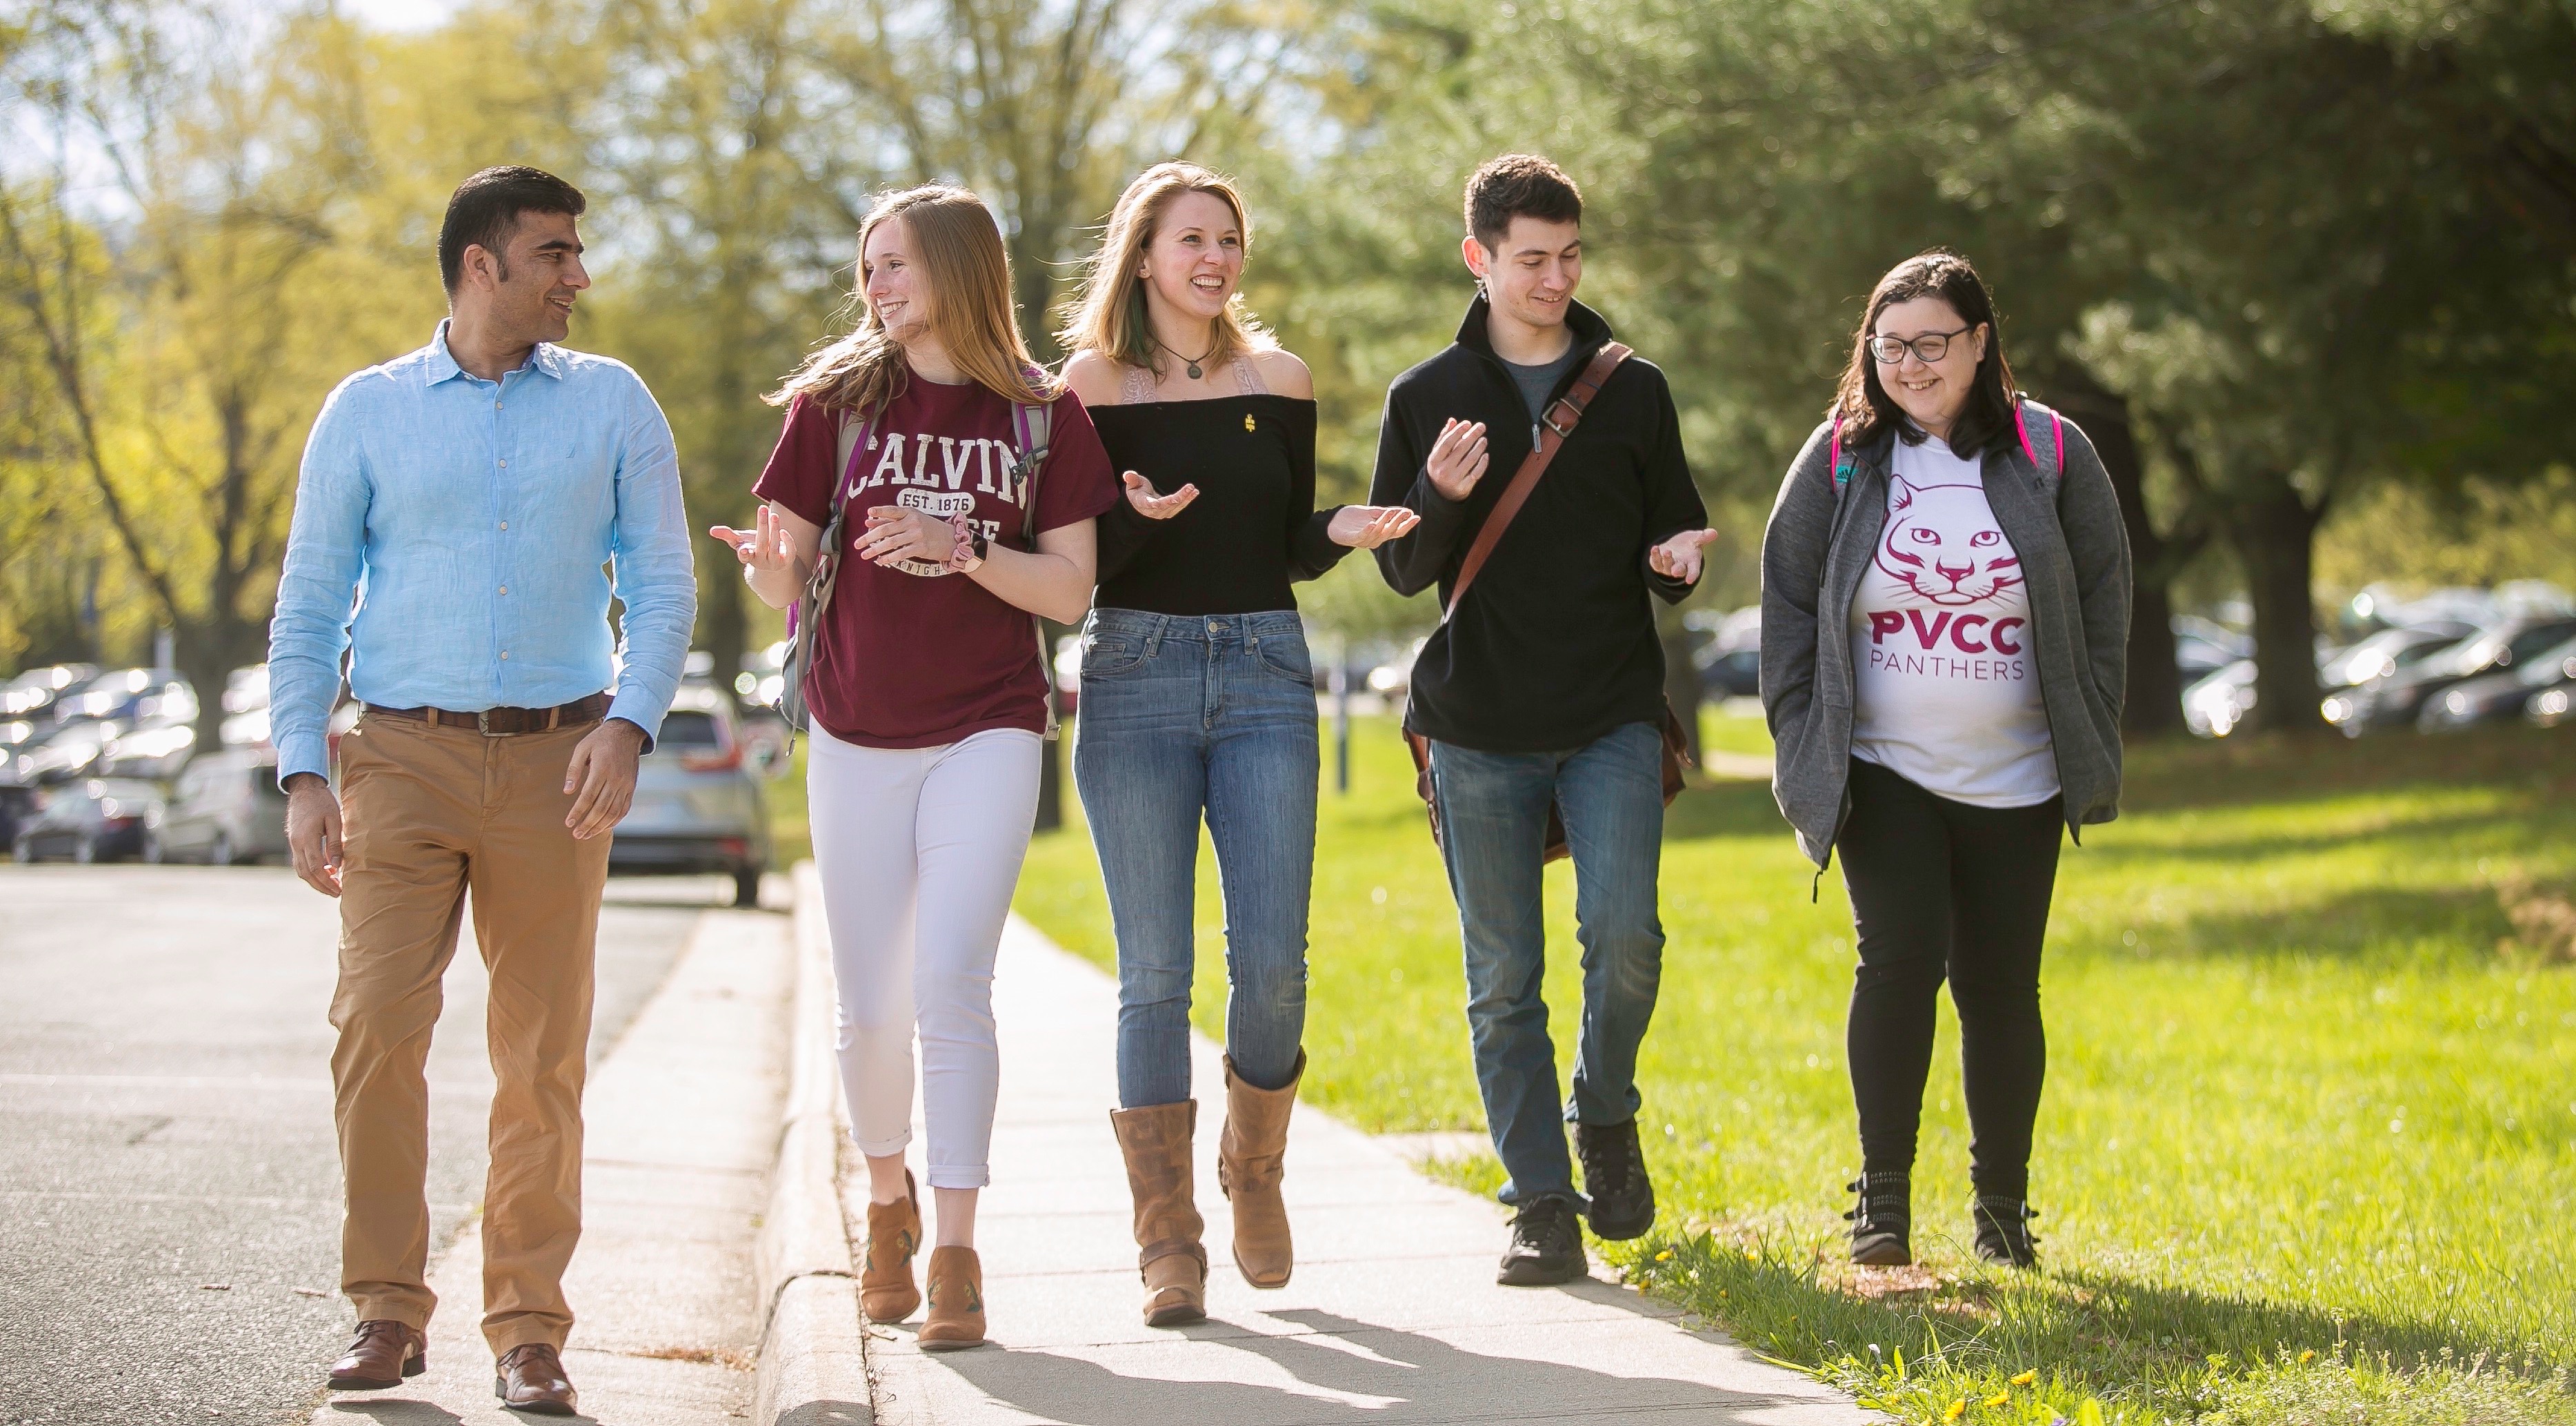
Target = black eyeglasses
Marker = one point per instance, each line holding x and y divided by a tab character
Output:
1931	346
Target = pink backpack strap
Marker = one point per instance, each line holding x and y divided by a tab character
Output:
1842	473
2056	433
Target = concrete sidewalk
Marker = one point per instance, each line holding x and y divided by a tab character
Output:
1393	1316
682	1130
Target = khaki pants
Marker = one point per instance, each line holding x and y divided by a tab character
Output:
429	813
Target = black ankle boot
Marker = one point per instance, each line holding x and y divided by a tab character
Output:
1883	1221
1614	1177
2003	1231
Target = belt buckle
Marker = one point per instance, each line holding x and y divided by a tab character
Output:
483	722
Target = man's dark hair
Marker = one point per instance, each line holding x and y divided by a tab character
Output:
484	211
1518	185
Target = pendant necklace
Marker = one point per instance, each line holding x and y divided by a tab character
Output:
1191	362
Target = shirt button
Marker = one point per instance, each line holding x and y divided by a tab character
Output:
505	655
505	465
505	524
505	589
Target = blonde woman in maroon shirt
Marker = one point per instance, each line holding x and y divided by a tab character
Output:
927	694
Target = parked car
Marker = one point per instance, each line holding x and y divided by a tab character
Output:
17	806
2506	693
2389	650
2204	646
2397	699
698	807
2214	705
95	820
131	696
1730	673
226	810
154	751
63	753
34	691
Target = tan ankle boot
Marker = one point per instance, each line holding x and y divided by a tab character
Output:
886	1293
1249	1165
956	1301
1156	1142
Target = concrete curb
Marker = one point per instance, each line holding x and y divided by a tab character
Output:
813	1367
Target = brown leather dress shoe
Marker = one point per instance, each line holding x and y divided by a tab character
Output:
384	1353
532	1380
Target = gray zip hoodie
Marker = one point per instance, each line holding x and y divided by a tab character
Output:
2074	551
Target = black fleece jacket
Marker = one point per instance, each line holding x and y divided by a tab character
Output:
1555	645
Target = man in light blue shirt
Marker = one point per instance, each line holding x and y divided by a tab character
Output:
463	516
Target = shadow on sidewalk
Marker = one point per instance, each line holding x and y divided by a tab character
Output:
394	1411
1382	1375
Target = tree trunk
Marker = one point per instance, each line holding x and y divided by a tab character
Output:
2155	682
206	655
2274	532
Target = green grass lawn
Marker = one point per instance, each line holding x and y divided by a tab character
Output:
2308	1152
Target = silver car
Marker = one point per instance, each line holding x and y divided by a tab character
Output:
698	807
226	810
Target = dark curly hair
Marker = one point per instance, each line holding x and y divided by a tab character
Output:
1863	403
1518	185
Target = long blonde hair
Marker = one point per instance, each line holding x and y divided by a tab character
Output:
1111	318
959	248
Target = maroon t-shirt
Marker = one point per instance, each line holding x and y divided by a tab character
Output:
912	656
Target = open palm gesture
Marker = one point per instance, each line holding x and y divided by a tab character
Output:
1140	494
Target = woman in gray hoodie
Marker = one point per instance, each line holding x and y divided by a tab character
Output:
1945	613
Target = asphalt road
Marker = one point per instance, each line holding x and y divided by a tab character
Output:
169	1185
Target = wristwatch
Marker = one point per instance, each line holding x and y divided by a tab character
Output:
971	547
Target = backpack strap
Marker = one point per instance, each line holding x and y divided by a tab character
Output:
1842	472
1031	427
2056	435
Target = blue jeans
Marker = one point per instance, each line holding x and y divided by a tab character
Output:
1493	812
1180	716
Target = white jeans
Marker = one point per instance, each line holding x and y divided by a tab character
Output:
919	849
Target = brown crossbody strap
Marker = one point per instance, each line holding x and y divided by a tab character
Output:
1553	430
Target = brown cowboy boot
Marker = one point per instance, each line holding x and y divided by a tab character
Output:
1248	1169
956	1301
1156	1142
886	1293
530	1378
384	1353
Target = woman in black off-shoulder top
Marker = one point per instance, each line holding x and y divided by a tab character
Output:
1198	701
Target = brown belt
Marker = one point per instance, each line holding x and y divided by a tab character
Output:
501	722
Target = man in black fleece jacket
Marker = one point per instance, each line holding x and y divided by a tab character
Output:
1544	689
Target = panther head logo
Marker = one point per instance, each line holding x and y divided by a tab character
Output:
1942	544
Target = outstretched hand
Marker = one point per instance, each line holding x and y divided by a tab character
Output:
1680	557
1365	527
1140	494
1457	459
765	546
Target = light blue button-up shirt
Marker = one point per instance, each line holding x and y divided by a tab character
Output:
454	536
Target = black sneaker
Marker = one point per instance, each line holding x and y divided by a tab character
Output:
1883	1221
2003	1231
1614	1177
1547	1247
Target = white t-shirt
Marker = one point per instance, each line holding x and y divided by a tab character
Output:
1946	691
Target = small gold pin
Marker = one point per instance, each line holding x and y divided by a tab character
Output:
1247	420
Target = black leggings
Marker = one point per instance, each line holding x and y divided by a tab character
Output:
1942	888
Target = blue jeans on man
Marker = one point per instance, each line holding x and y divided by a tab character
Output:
1493	814
1181	716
